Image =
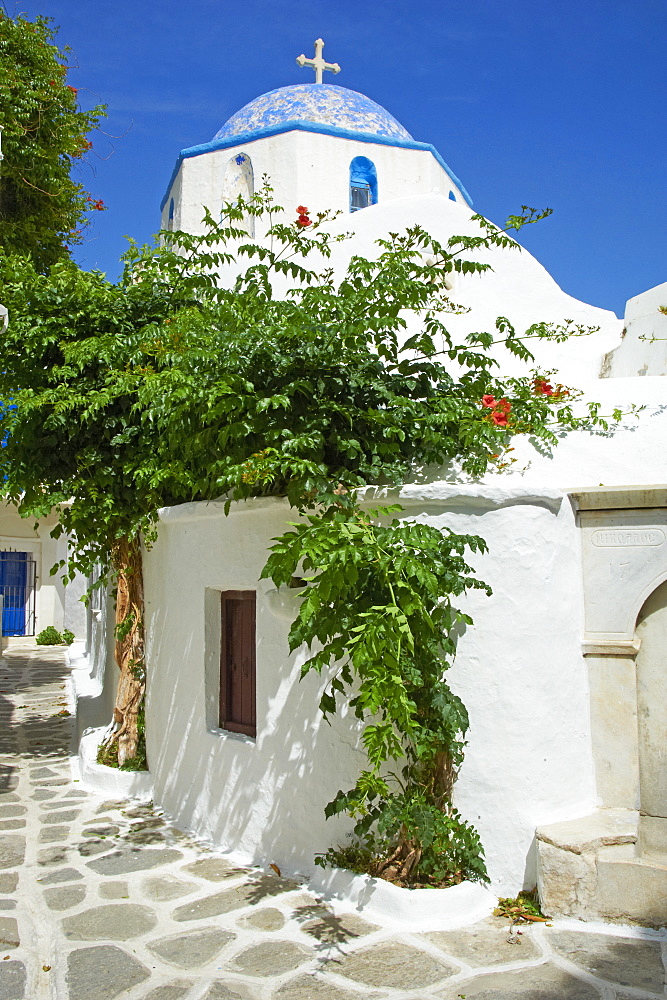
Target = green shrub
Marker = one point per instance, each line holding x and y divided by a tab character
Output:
50	636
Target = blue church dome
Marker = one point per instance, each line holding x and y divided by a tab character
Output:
317	103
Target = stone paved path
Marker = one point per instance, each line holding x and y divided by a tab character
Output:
103	899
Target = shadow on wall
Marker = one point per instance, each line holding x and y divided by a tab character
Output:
96	690
263	798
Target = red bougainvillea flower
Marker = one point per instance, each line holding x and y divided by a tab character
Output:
542	387
503	405
73	89
488	400
303	220
302	210
499	419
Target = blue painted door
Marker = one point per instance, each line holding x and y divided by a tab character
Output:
17	589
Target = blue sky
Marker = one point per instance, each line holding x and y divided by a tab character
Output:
529	102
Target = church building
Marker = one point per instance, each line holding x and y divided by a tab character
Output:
565	775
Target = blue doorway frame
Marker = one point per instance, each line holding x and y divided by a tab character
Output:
18	577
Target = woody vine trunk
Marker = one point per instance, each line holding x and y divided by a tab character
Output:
129	648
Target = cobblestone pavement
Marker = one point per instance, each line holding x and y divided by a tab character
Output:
103	899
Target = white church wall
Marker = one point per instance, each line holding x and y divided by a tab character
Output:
263	798
304	168
520	671
517	286
631	453
643	350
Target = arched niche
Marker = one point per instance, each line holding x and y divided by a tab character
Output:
624	564
651	670
239	183
363	183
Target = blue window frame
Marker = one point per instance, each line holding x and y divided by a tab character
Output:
363	183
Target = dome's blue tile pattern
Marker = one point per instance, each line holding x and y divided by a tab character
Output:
321	103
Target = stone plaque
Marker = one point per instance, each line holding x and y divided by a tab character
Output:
621	537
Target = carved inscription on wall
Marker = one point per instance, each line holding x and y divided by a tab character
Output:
620	537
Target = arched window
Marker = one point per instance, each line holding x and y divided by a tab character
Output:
238	183
363	183
170	220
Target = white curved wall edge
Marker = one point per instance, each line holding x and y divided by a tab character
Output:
409	909
109	780
83	684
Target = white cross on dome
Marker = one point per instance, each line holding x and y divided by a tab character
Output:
318	63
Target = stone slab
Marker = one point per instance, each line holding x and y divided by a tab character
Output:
166	887
64	897
88	848
271	958
9	933
249	893
625	961
111	922
392	964
589	833
633	891
192	948
215	869
334	929
114	890
170	991
61	816
12	980
544	982
62	875
12	850
52	856
265	919
8	881
227	990
486	943
313	987
53	834
102	973
567	881
101	830
124	862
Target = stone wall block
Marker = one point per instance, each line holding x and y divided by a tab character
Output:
567	882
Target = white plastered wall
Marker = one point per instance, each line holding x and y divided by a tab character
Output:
265	797
519	671
304	168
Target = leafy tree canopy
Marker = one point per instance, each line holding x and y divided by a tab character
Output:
42	209
173	385
168	387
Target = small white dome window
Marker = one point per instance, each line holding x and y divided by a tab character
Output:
363	183
239	182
